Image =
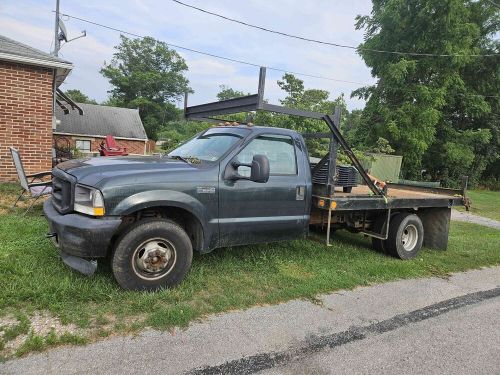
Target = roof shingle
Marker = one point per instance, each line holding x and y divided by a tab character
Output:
102	120
15	48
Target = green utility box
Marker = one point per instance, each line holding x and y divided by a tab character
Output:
383	166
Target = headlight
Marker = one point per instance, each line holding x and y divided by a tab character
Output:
89	201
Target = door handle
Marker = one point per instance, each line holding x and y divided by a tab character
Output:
300	192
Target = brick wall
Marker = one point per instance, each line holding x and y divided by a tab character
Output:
133	147
25	118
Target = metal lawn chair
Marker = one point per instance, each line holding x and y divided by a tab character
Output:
31	189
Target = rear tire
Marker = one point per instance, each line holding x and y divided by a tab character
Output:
406	235
152	254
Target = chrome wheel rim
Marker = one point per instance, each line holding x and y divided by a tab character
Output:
154	258
409	237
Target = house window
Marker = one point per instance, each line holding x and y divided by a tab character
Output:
83	145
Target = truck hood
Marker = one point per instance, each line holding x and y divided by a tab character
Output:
91	171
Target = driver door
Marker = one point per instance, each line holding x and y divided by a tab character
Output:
251	212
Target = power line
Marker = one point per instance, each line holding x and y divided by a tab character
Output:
236	60
214	55
330	43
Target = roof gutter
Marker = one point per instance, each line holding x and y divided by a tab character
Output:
62	68
99	136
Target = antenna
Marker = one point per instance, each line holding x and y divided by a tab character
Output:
61	34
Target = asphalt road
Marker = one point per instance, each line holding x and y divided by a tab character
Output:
406	327
464	341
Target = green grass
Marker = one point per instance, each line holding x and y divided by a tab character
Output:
484	203
34	279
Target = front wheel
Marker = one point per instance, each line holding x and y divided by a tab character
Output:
406	234
152	254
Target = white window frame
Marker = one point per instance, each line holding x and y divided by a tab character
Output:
89	151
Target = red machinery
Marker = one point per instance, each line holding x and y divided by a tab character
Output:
109	147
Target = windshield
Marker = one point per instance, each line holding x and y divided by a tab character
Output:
210	145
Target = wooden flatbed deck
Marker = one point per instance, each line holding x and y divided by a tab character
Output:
363	190
361	198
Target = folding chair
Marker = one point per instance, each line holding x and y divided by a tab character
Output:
34	190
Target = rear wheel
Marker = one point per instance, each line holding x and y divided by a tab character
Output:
152	254
406	234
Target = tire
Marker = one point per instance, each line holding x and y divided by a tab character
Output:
379	227
347	189
406	235
152	254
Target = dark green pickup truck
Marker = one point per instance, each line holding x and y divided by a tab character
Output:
229	185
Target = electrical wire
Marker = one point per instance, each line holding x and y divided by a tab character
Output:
214	55
330	43
236	60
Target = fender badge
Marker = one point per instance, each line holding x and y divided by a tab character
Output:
205	189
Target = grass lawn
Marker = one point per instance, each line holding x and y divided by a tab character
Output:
43	303
484	203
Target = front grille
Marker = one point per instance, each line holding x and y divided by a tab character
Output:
62	191
345	175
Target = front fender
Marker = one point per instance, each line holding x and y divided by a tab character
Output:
160	198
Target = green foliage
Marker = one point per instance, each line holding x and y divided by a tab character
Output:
226	93
440	113
146	74
177	132
382	147
79	97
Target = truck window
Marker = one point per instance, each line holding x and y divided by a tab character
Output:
279	150
210	145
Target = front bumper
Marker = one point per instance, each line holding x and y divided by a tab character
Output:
79	235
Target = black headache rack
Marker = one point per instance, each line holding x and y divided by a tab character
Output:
210	111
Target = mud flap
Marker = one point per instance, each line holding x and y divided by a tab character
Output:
436	223
87	267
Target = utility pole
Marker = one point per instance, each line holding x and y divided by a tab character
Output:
57	42
57	45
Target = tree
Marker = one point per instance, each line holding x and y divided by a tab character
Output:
79	97
146	74
433	110
226	93
310	100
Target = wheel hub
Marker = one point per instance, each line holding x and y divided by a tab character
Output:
409	237
154	256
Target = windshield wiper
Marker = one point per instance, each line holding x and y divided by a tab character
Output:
186	159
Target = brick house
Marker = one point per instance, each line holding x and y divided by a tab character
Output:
27	81
86	132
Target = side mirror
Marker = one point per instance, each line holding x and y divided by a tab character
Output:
259	170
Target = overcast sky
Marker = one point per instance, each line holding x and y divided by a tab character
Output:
32	22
